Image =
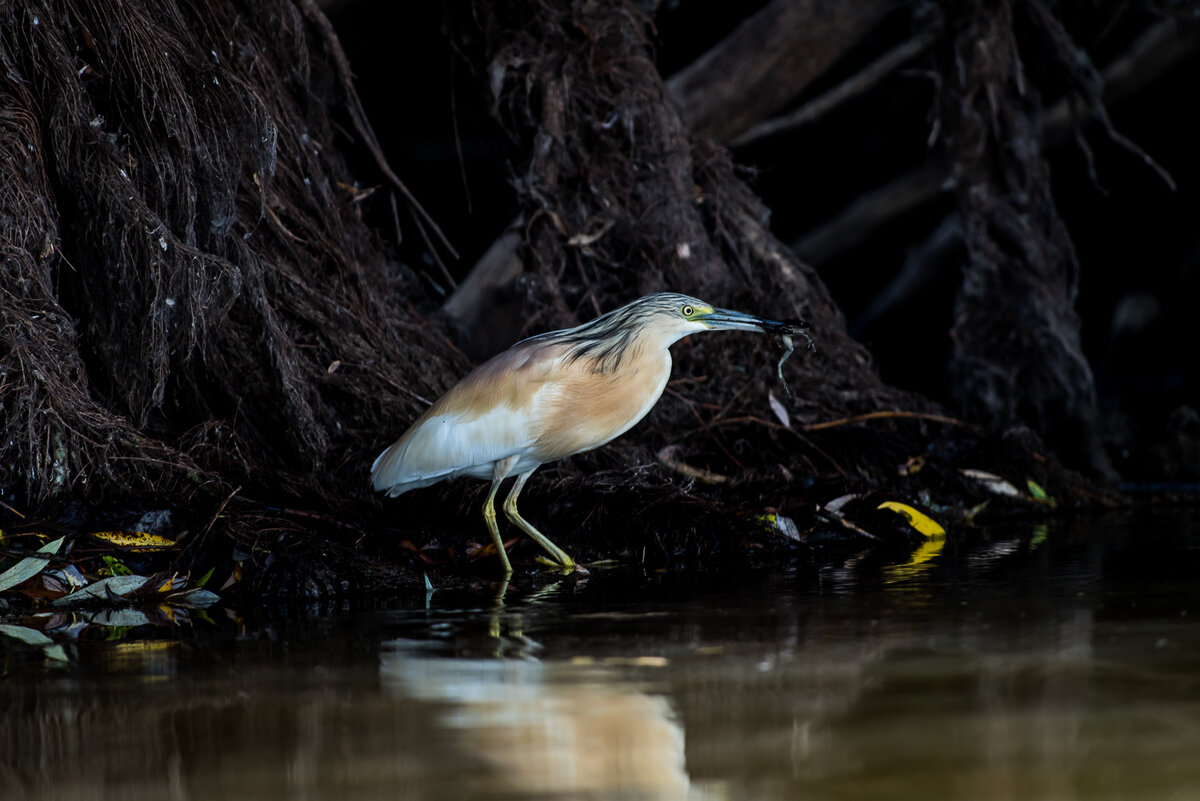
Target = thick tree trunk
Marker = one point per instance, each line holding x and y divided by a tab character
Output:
761	66
191	301
1016	349
619	201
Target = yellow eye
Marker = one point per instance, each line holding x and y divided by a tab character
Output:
687	311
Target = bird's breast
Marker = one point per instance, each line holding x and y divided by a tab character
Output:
585	410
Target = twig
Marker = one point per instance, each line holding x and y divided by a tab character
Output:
324	518
667	457
704	425
433	252
361	124
208	527
14	511
1151	50
462	164
794	432
859	418
1159	49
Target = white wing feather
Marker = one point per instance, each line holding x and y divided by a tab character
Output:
451	444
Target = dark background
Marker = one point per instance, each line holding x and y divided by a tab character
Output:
1138	241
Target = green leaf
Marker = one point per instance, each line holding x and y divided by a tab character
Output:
118	621
102	590
116	633
25	634
204	579
193	599
1039	494
50	649
55	652
114	567
29	567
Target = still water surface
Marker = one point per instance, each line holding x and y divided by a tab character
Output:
1059	663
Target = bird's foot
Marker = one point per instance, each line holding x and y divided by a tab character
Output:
565	568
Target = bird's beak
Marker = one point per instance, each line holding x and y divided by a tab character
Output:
727	320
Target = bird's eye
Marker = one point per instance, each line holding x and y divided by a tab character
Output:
687	311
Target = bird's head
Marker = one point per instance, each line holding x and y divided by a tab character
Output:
672	316
658	320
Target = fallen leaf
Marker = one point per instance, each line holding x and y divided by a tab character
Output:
69	575
119	618
917	519
833	511
55	652
1039	494
170	585
136	541
992	482
781	525
114	567
234	577
103	590
837	503
25	634
193	599
30	566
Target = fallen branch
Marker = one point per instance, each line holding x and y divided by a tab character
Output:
853	86
766	62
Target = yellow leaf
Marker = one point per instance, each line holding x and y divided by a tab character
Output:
918	562
134	540
918	520
170	585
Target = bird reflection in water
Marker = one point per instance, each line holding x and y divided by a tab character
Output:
549	728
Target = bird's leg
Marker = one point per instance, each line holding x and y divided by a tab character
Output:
489	517
510	509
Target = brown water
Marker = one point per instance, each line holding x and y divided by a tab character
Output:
1059	663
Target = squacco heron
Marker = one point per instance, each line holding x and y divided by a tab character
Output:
550	396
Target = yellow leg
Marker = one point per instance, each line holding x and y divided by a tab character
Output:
489	517
510	509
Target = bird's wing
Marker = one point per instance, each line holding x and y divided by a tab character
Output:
492	414
451	444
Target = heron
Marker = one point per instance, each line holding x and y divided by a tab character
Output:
550	396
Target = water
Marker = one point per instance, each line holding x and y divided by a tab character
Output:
1040	663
